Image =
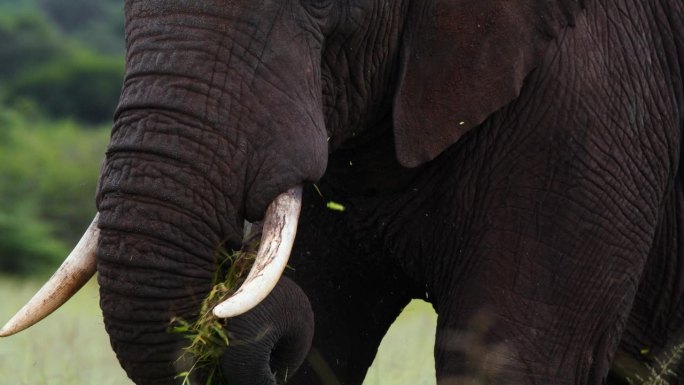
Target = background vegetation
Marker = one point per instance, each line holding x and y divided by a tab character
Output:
61	67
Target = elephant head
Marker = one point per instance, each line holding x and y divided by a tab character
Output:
228	107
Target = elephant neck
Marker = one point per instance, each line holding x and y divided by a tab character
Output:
366	165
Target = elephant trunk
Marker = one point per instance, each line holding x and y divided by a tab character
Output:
147	281
207	133
266	352
164	223
159	240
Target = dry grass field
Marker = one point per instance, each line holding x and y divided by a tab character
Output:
71	348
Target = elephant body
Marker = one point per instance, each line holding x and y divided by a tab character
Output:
561	214
516	164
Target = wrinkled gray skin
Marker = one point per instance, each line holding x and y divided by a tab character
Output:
518	158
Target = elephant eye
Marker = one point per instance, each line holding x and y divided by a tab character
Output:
320	5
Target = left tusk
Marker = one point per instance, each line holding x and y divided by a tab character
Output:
76	270
280	228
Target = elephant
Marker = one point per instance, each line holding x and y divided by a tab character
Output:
514	163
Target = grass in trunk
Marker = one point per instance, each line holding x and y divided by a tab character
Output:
208	338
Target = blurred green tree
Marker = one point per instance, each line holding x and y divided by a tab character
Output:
98	24
28	40
59	60
48	173
72	15
85	87
26	245
41	66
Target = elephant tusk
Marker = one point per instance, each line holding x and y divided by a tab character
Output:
280	228
75	271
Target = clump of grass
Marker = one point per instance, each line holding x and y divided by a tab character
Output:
207	336
664	368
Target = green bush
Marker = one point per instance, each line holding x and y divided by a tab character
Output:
97	24
28	40
48	69
26	245
72	15
48	174
84	87
15	6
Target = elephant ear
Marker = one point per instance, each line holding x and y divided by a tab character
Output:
462	60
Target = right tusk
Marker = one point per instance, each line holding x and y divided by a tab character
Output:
280	228
76	270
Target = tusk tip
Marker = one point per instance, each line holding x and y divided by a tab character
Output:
217	313
225	310
13	326
7	331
